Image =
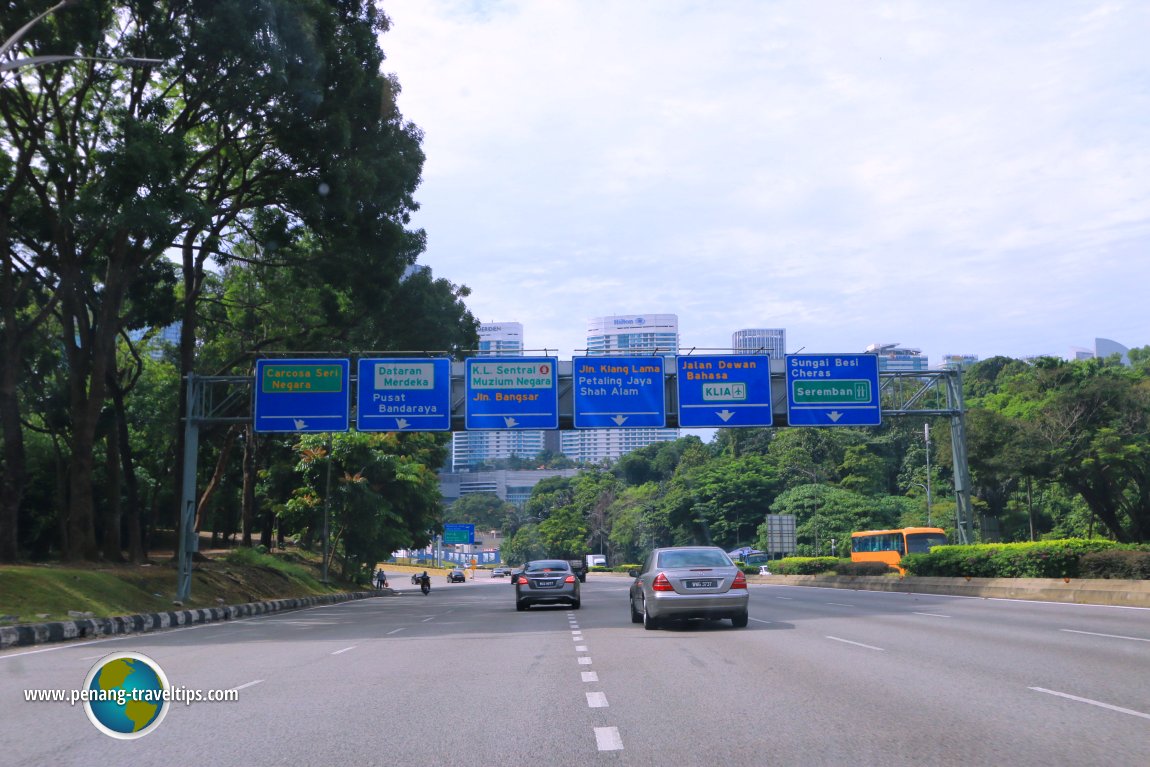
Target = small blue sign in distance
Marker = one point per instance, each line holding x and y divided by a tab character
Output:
404	394
720	390
833	390
458	533
511	393
618	392
302	395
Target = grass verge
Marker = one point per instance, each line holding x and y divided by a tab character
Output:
39	593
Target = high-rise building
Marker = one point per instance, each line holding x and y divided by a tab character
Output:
501	339
633	334
623	334
472	449
769	341
957	361
1104	347
893	357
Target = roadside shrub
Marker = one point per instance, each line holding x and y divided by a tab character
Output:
1128	564
806	565
847	567
1039	559
748	569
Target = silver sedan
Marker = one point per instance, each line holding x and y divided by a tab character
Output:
688	582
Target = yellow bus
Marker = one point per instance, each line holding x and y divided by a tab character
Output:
889	545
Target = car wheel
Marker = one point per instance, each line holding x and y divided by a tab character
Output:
576	603
636	616
740	621
520	606
649	622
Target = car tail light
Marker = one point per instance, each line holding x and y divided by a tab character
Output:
661	583
740	581
569	579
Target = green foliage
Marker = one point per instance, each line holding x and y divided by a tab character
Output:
824	513
484	510
1083	425
804	565
378	488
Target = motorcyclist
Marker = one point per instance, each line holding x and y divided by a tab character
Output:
425	582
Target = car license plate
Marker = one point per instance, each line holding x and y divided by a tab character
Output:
544	584
700	584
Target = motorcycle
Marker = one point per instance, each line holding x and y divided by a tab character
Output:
425	584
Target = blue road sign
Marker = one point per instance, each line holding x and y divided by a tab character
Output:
302	395
511	393
724	390
403	394
833	390
618	392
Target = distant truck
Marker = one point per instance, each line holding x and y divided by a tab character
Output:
596	560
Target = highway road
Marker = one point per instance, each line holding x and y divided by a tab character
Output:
820	677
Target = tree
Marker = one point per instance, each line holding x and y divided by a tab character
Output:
564	534
269	139
484	510
1095	426
823	513
380	490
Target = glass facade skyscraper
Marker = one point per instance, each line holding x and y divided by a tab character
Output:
769	341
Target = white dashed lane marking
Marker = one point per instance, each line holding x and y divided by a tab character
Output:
607	739
597	700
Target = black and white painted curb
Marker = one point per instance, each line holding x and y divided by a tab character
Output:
87	628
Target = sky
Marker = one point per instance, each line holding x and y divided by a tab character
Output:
958	177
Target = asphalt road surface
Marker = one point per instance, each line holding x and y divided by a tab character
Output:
458	677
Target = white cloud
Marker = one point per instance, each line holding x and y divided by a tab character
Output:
958	177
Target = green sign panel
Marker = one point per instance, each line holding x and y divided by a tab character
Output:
841	392
301	378
458	533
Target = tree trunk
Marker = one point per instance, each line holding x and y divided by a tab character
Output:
111	545
128	470
249	491
13	476
217	477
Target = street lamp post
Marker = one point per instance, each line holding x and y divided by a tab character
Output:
927	489
926	432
